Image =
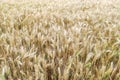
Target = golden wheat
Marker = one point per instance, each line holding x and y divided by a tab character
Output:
59	40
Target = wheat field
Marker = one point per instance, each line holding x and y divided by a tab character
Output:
59	40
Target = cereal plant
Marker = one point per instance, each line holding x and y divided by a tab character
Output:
59	40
